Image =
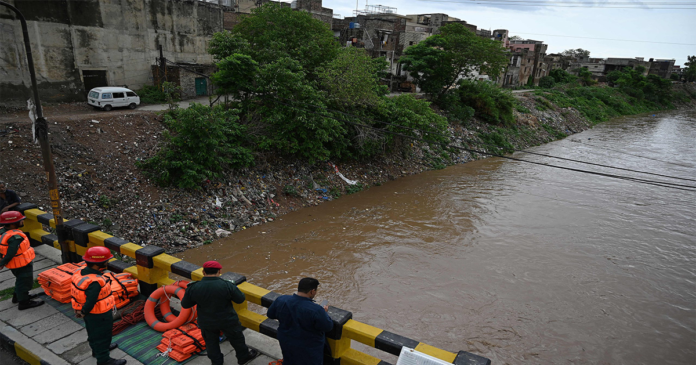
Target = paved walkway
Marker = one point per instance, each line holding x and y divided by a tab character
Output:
46	336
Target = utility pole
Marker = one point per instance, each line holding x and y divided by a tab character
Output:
41	134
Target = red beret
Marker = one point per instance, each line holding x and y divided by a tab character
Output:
212	265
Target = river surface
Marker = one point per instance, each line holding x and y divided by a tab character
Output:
521	263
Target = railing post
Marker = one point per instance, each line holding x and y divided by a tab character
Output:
148	275
338	343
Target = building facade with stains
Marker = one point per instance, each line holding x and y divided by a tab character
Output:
81	44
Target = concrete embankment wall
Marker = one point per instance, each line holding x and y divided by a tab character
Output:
78	44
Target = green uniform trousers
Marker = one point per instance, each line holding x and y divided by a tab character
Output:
24	280
236	337
99	328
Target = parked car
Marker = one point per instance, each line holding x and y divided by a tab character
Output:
107	98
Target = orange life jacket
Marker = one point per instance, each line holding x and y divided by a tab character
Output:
80	283
25	254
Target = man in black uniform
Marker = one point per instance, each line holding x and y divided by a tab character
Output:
92	300
18	256
214	296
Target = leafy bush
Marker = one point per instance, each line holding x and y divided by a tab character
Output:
152	95
490	103
200	143
496	142
547	82
561	76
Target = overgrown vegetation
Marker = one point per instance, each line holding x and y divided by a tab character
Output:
152	95
199	143
297	94
489	102
300	95
456	52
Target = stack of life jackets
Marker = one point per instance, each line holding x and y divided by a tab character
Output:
123	287
181	343
56	282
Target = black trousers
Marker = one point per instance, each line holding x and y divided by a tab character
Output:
99	327
236	337
24	280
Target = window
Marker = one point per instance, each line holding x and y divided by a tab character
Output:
106	96
410	43
130	93
119	95
94	95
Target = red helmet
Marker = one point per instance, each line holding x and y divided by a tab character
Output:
11	217
95	255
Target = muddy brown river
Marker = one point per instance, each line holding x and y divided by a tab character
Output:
521	263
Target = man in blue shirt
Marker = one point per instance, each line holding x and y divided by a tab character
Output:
8	199
303	325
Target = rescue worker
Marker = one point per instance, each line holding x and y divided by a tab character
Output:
214	296
93	301
303	325
18	256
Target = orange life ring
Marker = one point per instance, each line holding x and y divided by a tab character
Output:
166	309
184	316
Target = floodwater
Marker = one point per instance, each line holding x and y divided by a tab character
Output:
521	263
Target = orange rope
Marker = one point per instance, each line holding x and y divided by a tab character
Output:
132	314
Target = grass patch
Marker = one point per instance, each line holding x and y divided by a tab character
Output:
7	293
497	142
553	131
599	104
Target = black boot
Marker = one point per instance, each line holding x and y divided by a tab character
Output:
31	296
252	355
112	347
115	362
29	304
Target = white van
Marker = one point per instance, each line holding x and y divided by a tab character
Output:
107	98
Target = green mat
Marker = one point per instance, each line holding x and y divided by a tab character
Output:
139	340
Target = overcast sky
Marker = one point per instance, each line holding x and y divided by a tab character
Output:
540	23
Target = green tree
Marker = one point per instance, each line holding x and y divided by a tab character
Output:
273	32
690	73
575	53
439	61
585	76
352	79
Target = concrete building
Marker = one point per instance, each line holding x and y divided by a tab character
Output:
538	48
519	69
661	67
81	44
618	64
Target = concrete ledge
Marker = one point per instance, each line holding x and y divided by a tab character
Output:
50	253
26	348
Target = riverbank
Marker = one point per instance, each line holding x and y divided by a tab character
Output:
95	160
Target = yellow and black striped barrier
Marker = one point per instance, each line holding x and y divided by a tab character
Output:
153	266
